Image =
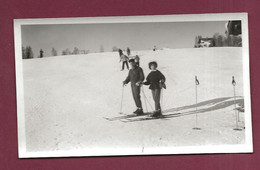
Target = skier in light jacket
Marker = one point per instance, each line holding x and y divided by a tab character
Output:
124	59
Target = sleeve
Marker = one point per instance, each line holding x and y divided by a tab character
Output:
127	78
148	80
141	75
162	77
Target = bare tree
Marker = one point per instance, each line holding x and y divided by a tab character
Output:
114	49
28	52
24	53
66	52
102	49
76	50
219	40
54	52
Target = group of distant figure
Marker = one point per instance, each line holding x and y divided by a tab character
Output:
155	79
125	58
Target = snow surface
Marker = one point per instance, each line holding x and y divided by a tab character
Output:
67	98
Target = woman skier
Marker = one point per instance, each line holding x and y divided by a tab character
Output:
156	81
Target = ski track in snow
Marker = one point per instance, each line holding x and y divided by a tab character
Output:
66	98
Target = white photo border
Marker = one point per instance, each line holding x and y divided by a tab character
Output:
241	148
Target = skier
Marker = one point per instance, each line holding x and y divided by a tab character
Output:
154	48
120	52
128	51
137	60
41	53
124	60
156	80
136	77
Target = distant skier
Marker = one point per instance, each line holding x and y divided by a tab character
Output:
154	48
124	59
137	60
128	51
136	77
41	53
156	80
120	52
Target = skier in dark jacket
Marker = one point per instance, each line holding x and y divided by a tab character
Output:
156	81
136	77
120	52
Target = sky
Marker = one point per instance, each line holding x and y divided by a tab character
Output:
136	36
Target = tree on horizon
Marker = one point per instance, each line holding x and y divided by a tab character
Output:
102	49
54	52
28	52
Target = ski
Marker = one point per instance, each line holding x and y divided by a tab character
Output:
146	118
126	116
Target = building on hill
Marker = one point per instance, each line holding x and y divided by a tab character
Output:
201	42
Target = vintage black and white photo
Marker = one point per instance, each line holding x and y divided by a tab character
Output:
133	85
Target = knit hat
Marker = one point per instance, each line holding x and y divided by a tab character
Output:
131	60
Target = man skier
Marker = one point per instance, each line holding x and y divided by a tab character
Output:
136	77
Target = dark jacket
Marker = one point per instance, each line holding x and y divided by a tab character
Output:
153	79
135	75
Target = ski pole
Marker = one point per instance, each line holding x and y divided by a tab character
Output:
196	100
144	99
122	96
162	100
234	89
236	113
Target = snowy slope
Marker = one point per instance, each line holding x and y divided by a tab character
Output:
66	98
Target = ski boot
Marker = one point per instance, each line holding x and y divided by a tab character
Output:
139	111
157	113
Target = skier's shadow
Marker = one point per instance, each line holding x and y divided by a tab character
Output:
214	104
204	103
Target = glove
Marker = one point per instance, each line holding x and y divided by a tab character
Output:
138	84
162	85
124	83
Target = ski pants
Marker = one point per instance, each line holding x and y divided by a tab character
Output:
156	97
123	65
136	95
